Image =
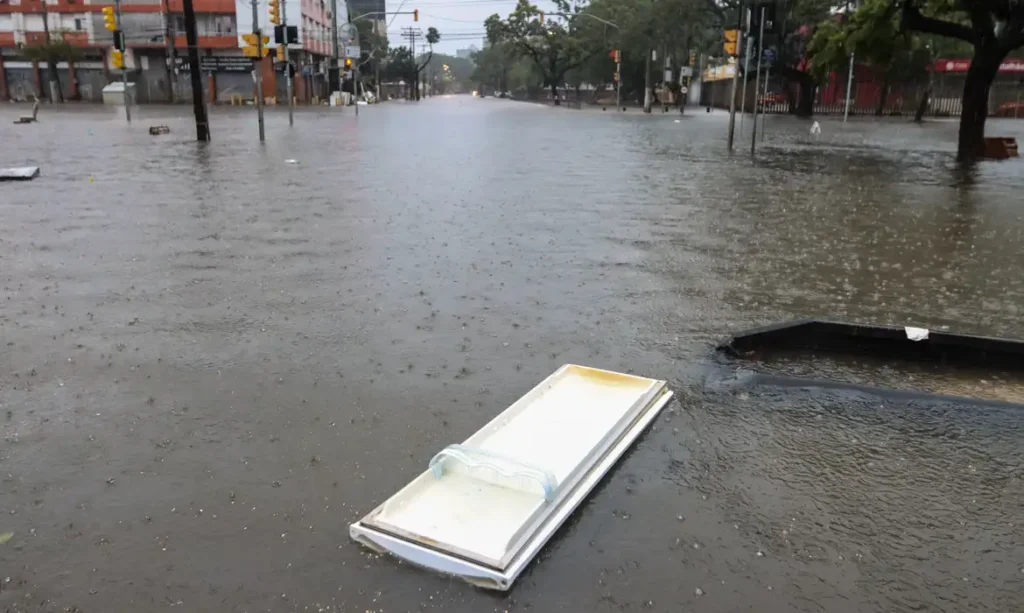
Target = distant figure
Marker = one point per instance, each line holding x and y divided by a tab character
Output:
35	107
815	128
709	109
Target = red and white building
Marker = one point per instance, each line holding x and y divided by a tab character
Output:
148	59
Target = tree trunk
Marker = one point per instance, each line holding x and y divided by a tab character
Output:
922	105
647	83
554	93
984	66
883	96
56	95
805	104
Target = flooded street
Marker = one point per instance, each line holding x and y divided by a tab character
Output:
215	360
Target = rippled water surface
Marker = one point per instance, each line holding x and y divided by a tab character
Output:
215	361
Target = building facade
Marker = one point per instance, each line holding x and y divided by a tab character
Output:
156	55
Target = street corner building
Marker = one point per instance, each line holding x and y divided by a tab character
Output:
155	56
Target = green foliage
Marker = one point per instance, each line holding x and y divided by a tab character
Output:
400	65
52	51
553	44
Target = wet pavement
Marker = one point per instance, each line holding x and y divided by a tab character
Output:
215	361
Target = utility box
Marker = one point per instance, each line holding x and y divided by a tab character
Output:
113	93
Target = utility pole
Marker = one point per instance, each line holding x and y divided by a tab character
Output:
257	66
198	105
414	87
735	75
757	81
287	65
333	80
169	33
124	69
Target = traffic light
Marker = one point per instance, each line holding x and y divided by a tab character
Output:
616	56
280	53
252	48
348	63
109	19
415	14
730	47
274	6
117	59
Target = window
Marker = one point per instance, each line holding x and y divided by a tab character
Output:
78	25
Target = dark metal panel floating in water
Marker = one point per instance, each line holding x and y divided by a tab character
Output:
891	343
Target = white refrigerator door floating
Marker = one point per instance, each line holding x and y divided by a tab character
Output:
483	509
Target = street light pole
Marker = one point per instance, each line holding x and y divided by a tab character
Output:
287	65
757	82
849	84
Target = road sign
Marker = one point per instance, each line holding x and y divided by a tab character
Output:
348	32
769	55
352	51
252	38
684	90
685	71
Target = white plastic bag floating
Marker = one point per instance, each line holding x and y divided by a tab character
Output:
916	334
815	128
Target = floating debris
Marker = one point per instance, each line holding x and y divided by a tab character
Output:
5	536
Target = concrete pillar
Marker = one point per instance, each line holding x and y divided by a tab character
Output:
4	94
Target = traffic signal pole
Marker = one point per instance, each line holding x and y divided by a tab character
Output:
124	70
735	75
258	69
287	65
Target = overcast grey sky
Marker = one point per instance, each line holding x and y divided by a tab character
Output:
460	22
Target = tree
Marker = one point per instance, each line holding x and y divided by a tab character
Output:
872	35
552	44
373	47
399	66
51	52
993	28
432	37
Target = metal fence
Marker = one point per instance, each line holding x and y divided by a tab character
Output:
870	96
